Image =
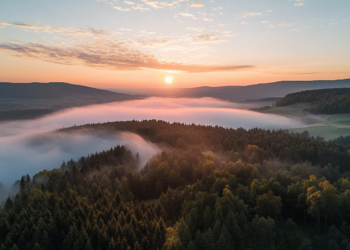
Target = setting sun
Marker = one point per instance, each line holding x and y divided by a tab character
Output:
169	79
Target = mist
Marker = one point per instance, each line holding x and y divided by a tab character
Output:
27	147
30	154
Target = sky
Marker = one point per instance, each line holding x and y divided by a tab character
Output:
137	43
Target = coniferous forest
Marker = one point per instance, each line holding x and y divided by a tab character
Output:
327	101
209	188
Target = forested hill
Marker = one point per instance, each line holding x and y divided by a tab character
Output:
20	101
54	90
255	91
211	188
326	101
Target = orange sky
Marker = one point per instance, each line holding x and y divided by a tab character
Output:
20	70
136	44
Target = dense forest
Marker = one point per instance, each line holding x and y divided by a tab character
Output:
327	101
210	188
344	140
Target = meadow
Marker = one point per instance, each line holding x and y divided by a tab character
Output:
326	126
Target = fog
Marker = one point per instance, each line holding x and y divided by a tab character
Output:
27	147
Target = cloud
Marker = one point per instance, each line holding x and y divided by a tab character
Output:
112	55
205	38
159	5
222	24
129	2
207	19
186	14
149	42
196	29
197	4
252	14
120	8
283	24
51	29
300	3
27	26
139	7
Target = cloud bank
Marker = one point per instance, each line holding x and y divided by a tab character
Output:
111	55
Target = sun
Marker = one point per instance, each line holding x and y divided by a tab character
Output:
169	79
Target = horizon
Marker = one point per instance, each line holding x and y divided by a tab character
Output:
198	43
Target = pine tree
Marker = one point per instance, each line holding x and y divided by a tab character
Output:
191	246
112	244
15	247
28	183
305	245
8	204
22	185
207	218
37	246
234	230
137	246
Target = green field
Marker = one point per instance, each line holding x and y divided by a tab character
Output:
327	126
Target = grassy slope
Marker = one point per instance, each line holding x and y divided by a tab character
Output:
327	126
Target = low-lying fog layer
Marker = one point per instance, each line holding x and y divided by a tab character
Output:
20	156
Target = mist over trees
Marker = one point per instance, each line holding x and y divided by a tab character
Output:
210	188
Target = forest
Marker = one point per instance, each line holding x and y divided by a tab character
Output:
344	140
326	101
210	188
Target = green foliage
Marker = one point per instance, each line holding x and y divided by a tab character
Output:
328	101
213	188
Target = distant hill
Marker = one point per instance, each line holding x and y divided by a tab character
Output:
326	101
242	93
20	101
54	90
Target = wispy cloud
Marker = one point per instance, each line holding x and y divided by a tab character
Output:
51	29
299	3
186	14
139	7
207	19
196	29
155	41
129	2
116	56
120	8
197	4
252	14
282	24
159	5
205	38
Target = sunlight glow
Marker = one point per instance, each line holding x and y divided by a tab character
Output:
168	79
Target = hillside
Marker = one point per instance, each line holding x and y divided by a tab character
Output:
51	90
242	93
32	100
325	101
211	188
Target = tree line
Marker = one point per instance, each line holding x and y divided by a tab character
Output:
326	101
